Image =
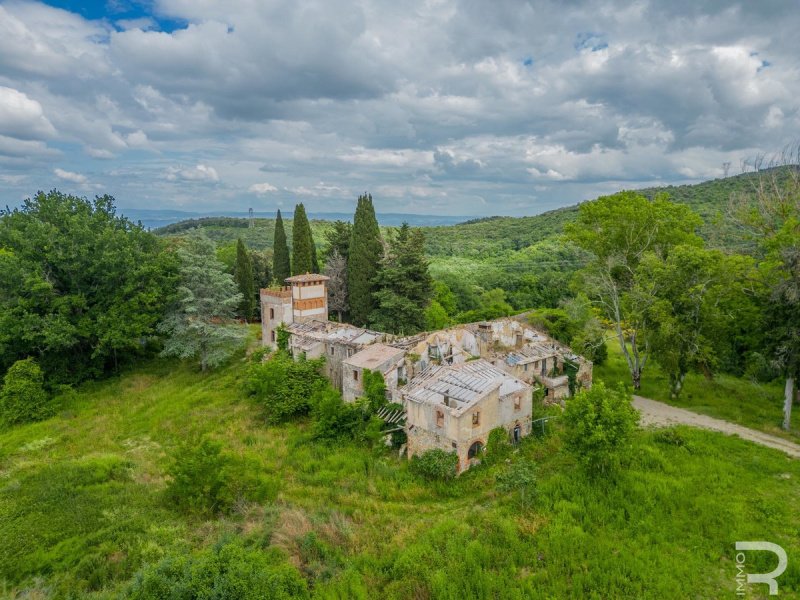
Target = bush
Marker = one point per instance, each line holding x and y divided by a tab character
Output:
227	571
599	425
333	418
285	386
207	482
23	398
519	479
198	477
435	465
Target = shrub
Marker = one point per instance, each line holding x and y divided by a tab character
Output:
23	398
333	418
519	479
599	425
227	571
435	465
285	386
198	477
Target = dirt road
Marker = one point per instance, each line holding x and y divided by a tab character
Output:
660	414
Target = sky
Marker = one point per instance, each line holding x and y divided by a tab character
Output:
434	106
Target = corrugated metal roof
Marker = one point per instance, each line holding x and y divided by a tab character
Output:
465	383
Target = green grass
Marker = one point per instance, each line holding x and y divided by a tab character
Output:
82	508
755	405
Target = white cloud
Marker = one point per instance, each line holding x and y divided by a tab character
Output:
137	139
22	117
144	23
70	176
197	173
432	105
262	188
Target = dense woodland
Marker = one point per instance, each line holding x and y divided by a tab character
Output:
675	285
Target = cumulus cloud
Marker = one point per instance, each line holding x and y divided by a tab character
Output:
22	117
70	176
199	172
464	108
262	188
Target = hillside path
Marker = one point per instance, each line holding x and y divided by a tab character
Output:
660	414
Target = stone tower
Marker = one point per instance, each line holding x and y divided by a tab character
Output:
305	297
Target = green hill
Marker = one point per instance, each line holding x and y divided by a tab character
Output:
82	498
491	236
522	256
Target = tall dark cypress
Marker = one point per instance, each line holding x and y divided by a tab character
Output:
280	252
304	256
366	250
243	275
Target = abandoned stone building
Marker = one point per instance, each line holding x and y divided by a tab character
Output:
456	385
455	407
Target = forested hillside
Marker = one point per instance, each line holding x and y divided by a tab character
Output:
525	257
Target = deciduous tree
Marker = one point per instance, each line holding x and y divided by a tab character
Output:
81	288
771	210
23	397
599	426
619	231
336	269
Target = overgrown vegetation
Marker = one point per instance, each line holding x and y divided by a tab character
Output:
599	425
83	495
81	289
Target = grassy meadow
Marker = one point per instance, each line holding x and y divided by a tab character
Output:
82	505
734	399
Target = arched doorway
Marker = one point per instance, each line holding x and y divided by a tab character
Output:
475	450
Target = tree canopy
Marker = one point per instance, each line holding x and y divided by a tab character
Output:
619	231
81	288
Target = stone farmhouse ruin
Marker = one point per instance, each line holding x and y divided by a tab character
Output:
455	385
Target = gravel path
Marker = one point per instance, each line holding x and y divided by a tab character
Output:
660	414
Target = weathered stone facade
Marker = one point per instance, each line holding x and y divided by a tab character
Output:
455	408
442	378
379	358
305	298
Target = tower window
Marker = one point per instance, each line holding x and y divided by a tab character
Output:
439	418
355	375
271	313
476	418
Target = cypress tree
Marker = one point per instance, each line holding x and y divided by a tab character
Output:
243	275
366	250
304	256
280	256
